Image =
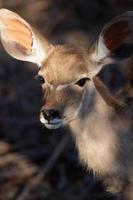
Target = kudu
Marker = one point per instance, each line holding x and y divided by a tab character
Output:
101	123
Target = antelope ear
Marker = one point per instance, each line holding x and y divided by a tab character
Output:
20	40
115	42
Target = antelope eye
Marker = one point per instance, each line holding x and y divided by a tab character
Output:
82	82
40	79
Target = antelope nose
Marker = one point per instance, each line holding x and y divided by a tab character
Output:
50	114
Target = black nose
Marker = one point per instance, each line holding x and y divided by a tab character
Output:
50	114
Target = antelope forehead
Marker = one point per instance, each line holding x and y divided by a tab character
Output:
58	87
62	85
62	78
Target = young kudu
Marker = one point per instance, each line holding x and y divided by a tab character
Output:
101	123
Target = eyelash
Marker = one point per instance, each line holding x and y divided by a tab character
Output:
82	82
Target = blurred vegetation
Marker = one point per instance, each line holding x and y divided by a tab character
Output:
26	146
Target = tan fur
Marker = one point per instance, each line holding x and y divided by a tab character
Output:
102	133
73	60
101	123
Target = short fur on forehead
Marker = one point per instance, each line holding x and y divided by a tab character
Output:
64	65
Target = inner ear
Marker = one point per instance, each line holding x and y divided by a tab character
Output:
117	36
21	40
114	34
114	44
123	52
115	41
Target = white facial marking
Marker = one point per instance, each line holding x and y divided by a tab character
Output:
89	96
52	124
60	87
42	120
51	86
63	86
80	105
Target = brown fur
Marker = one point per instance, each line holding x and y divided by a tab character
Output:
72	61
101	123
102	133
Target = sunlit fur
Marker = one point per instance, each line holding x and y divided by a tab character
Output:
101	123
103	137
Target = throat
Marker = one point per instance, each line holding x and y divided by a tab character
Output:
93	114
95	138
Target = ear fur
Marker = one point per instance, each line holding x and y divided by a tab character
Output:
20	40
115	42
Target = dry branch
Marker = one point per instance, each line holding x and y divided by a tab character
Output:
36	181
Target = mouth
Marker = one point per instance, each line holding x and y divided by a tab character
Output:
57	122
52	124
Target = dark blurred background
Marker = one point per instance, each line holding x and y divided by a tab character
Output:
25	145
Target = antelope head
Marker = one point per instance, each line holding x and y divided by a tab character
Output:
66	72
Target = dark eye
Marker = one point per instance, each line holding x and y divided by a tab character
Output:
40	79
82	82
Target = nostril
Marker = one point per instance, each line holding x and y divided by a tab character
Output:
50	114
55	113
46	114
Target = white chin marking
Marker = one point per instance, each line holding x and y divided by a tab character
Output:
54	124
